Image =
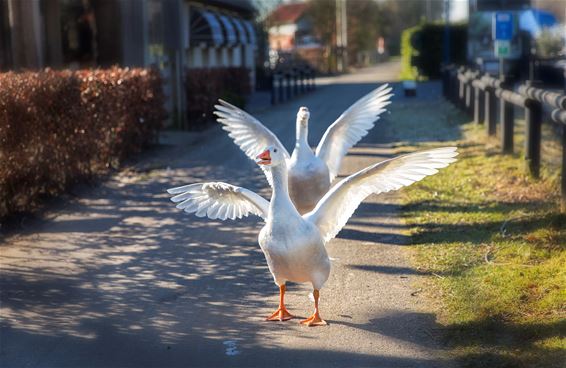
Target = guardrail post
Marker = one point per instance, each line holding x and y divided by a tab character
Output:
563	178
461	93
275	88
445	81
284	87
456	93
533	118
295	78
291	83
479	101
490	113
559	116
507	121
313	79
453	94
450	83
469	98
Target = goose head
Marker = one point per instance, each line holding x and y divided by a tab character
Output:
270	157
303	117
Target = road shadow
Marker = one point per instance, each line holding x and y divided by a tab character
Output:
438	234
390	270
374	236
121	271
490	336
487	338
416	328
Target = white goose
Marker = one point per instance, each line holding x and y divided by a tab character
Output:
309	173
294	245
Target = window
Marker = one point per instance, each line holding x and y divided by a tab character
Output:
78	28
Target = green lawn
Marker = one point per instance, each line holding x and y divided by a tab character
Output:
493	243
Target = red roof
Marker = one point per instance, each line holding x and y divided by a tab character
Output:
287	13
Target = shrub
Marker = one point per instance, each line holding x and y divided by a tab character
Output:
205	86
61	127
422	49
408	71
549	44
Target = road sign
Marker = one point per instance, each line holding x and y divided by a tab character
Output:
503	26
502	48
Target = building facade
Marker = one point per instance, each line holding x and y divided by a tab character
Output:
289	27
174	35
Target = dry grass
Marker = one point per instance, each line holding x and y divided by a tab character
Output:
494	242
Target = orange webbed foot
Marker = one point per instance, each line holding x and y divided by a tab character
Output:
314	320
281	314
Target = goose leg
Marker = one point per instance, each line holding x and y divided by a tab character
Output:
281	314
315	319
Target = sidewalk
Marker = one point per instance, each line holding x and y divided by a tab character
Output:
121	278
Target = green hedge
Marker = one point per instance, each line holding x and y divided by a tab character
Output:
61	127
422	49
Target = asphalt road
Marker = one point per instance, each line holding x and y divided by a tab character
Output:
118	277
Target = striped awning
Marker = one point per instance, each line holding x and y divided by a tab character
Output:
230	36
251	31
242	35
214	29
205	28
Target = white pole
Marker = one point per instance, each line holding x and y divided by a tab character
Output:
344	36
338	36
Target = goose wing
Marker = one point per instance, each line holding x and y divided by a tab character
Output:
247	132
337	206
351	126
218	200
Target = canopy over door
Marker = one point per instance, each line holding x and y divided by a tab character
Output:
205	28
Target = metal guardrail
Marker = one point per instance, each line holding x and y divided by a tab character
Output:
291	82
477	94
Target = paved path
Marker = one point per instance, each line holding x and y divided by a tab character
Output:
120	278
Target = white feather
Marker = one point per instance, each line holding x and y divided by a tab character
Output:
248	133
351	126
337	206
218	200
294	244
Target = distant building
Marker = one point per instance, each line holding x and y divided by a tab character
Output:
288	26
291	35
171	34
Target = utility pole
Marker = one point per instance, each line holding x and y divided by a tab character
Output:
341	36
344	36
446	48
339	65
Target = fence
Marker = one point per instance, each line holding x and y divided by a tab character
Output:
478	94
290	82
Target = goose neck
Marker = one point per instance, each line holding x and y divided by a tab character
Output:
279	173
302	134
280	198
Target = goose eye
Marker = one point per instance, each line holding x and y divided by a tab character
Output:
275	150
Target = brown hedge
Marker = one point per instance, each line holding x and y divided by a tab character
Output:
61	127
205	86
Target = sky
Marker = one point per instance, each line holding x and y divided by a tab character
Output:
458	8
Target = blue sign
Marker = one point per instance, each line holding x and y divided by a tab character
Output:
503	26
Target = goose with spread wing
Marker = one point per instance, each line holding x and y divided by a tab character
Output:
294	244
309	173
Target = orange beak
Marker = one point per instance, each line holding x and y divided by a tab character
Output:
264	158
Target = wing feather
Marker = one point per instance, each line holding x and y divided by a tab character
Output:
218	200
247	132
351	126
337	206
